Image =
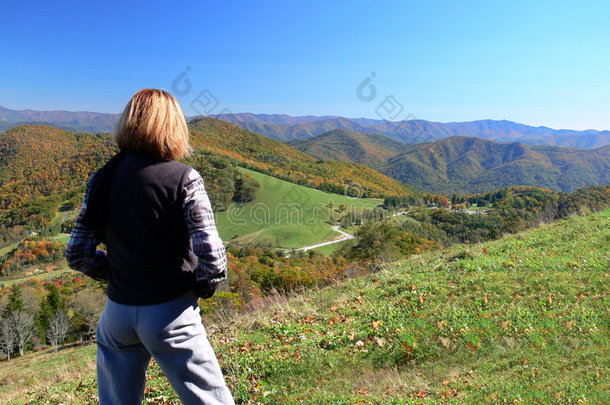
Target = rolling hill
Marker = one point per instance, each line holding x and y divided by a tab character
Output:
472	165
42	167
285	162
372	150
465	164
286	215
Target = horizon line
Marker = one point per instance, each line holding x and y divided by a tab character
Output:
317	116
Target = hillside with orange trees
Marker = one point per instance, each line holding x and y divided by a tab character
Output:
38	160
41	168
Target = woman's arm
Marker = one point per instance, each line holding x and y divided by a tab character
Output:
207	244
81	251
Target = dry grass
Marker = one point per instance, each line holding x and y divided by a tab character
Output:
37	370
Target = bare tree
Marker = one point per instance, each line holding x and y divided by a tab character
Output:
59	326
23	328
3	303
7	337
89	305
31	300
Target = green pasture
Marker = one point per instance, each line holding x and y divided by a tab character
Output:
286	215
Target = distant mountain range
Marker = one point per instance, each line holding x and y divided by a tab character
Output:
286	128
78	121
465	164
450	164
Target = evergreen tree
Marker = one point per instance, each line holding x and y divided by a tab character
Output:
52	302
15	302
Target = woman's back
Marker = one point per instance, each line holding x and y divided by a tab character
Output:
149	252
163	251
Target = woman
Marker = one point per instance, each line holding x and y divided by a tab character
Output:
163	250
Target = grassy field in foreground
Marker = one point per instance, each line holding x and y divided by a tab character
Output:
520	320
285	214
38	371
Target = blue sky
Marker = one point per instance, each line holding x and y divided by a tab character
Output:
539	63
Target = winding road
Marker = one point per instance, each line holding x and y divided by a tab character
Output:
345	236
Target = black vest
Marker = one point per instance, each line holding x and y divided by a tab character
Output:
140	218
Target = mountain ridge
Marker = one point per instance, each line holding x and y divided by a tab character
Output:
421	131
286	127
76	121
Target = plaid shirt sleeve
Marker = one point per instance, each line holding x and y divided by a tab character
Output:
81	251
207	244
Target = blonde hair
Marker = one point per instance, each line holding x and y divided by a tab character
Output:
153	123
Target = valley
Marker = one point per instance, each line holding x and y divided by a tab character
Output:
287	215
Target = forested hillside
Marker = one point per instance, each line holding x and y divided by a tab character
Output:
372	150
472	165
42	169
465	164
508	210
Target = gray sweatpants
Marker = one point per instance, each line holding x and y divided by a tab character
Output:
173	334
